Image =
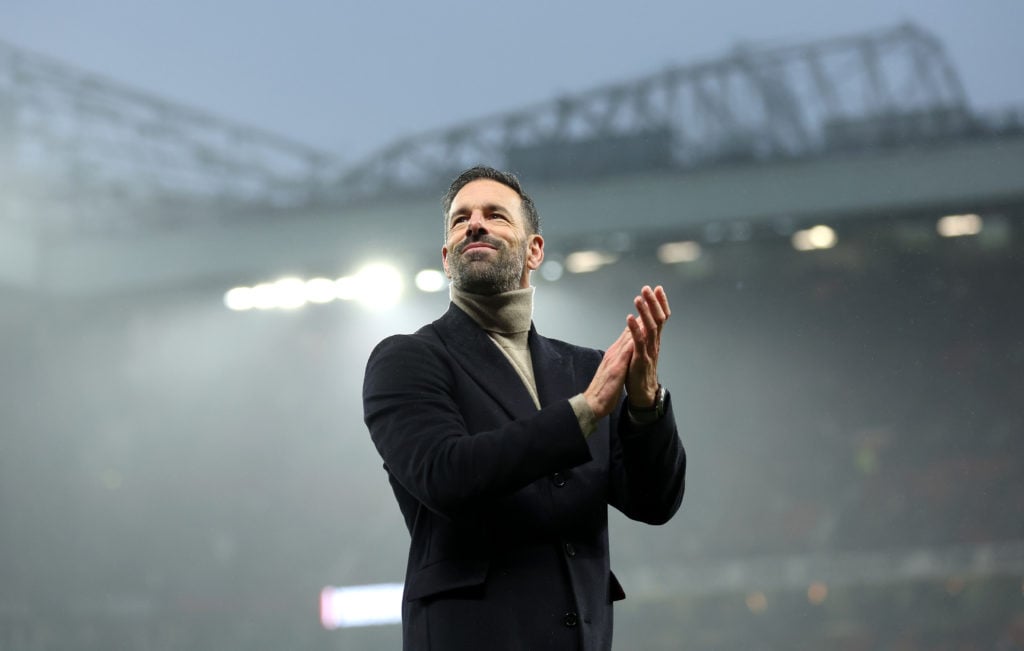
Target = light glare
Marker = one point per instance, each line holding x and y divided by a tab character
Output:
362	605
430	280
239	299
290	293
677	252
379	286
346	288
264	296
817	237
374	286
320	290
959	225
586	261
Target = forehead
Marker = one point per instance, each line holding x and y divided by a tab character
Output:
485	192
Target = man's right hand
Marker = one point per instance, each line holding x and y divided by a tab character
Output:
605	390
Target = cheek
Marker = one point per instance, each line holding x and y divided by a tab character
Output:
449	246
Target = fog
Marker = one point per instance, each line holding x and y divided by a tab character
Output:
175	474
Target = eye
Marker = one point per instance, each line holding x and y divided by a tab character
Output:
458	219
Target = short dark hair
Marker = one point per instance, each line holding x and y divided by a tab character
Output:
505	178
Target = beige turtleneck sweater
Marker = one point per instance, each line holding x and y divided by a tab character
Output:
506	318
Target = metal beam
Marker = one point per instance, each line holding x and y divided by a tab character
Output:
774	102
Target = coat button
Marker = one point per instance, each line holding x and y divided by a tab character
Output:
570	619
570	550
558	479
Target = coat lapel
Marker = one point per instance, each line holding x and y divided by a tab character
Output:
478	355
553	371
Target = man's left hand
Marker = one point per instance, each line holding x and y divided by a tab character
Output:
645	327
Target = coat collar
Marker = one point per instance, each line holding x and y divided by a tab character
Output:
474	351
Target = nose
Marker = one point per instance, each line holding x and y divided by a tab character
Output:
476	224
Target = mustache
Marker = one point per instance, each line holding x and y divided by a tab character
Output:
486	239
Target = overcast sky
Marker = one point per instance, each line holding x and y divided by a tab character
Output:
350	77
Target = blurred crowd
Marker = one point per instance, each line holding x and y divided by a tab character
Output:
179	476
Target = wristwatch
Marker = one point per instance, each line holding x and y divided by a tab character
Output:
655	411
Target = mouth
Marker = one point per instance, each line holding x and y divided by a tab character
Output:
476	246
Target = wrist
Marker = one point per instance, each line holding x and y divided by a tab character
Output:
599	407
641	400
653	411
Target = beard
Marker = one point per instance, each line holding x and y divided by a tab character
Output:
487	273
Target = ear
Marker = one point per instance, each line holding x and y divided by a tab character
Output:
534	252
444	261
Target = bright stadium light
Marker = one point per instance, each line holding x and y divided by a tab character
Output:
814	238
346	288
320	290
431	280
264	296
361	605
378	286
290	293
239	299
677	252
959	225
375	286
586	261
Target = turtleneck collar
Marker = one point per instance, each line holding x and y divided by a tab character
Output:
506	313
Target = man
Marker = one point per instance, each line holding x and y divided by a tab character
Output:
504	448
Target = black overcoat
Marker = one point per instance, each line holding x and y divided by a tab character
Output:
506	504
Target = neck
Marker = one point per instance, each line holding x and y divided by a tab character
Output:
504	313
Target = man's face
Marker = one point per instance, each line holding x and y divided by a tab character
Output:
487	250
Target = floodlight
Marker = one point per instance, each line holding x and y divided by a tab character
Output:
430	280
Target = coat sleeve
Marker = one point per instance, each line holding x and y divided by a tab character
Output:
648	467
413	413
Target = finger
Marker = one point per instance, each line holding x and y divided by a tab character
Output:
633	326
625	343
662	297
622	347
643	308
636	330
654	305
625	334
623	339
